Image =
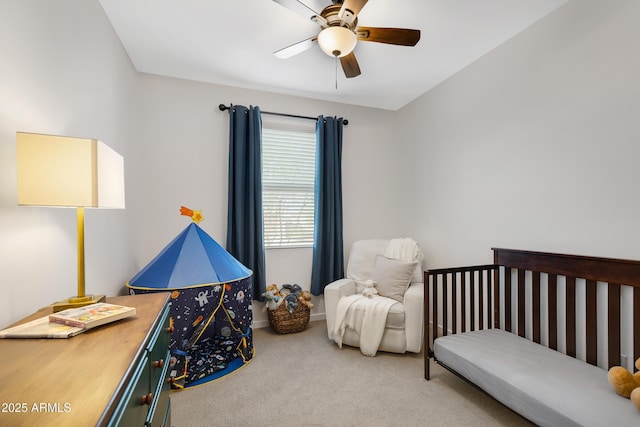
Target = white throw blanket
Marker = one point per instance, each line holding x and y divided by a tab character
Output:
356	310
404	249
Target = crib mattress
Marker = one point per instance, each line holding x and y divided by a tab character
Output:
543	385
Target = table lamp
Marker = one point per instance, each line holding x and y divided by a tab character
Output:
69	172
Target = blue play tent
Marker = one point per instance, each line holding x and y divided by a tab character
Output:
210	306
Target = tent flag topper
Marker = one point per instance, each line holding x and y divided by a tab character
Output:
211	299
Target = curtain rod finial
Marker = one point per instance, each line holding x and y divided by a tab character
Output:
223	107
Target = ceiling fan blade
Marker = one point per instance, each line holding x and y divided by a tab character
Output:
298	7
350	65
397	36
296	48
353	5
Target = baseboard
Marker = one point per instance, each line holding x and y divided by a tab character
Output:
258	324
319	316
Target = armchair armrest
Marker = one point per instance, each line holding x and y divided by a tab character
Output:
332	293
414	315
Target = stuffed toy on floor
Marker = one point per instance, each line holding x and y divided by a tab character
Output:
625	383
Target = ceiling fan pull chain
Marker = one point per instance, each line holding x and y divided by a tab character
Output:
336	73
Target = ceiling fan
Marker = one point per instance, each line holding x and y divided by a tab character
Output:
340	32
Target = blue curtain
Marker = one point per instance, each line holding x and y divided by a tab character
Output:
245	240
328	258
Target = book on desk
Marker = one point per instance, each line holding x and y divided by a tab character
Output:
41	328
93	315
70	322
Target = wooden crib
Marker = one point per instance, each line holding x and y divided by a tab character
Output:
584	307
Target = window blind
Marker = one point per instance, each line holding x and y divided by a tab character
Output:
288	178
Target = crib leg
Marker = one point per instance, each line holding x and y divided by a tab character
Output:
427	364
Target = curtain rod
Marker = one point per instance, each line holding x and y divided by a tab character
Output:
223	107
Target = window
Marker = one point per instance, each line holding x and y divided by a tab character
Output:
288	179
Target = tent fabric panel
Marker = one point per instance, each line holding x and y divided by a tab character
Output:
156	272
227	267
192	266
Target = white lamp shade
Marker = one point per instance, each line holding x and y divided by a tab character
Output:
66	171
337	41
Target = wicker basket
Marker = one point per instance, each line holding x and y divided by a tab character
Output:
283	322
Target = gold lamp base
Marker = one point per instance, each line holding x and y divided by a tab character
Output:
75	302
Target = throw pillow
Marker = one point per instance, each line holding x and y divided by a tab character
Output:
392	277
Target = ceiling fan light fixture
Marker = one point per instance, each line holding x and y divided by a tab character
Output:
337	41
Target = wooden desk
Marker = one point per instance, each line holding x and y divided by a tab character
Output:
93	378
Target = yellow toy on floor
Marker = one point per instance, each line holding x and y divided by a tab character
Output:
625	383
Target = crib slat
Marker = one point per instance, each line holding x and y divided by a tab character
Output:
507	299
495	298
445	304
591	322
571	316
613	324
495	312
481	294
472	301
521	298
487	292
463	300
454	303
552	286
535	306
435	304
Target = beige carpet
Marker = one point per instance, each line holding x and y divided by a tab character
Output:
304	379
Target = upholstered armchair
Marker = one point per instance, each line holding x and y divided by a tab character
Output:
395	266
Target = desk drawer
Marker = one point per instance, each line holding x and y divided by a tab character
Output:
133	408
158	412
158	350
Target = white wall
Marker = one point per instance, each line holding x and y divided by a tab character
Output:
63	71
535	145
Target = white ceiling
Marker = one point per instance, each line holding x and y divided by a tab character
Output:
232	43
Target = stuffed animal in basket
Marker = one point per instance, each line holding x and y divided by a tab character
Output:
292	302
272	299
294	289
274	287
625	383
305	299
291	293
369	289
